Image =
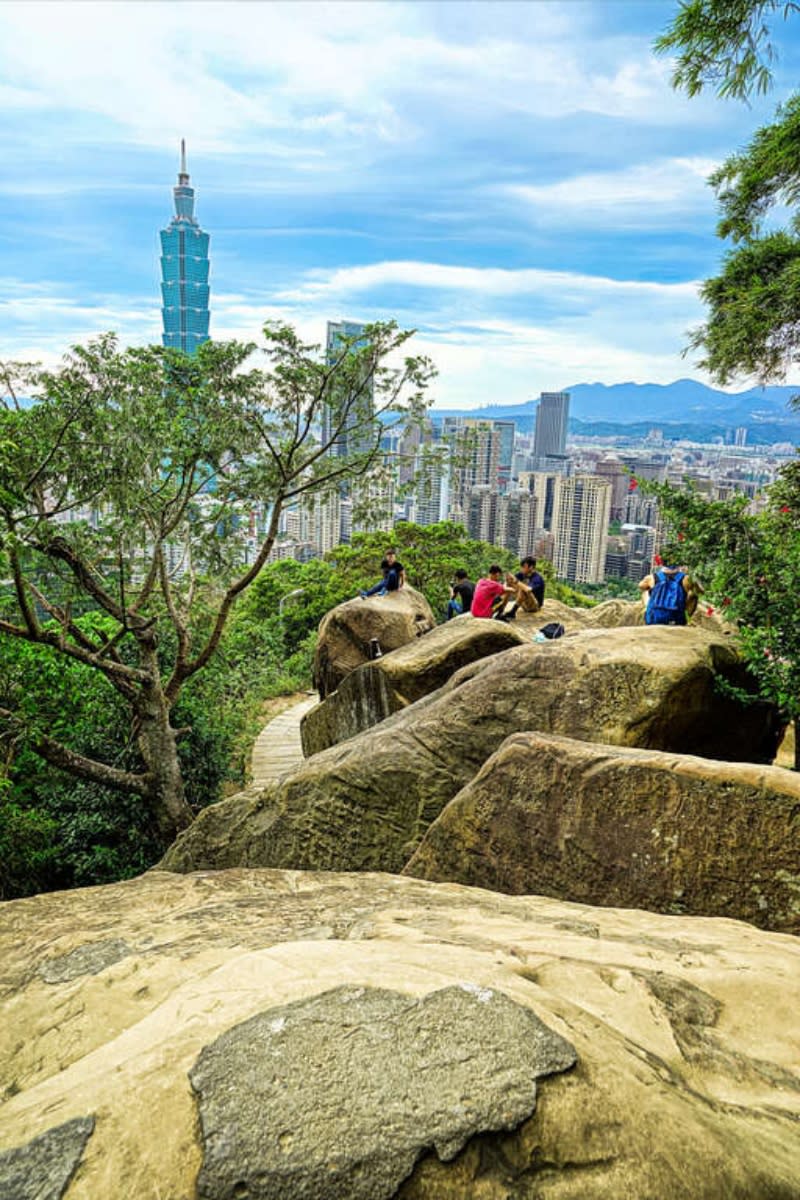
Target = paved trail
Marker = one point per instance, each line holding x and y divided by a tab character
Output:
277	748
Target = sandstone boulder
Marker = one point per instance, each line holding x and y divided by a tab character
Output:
346	631
365	804
633	828
375	690
275	1034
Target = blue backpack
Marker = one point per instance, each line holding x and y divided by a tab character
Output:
667	604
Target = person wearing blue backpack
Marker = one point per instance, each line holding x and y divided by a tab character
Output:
669	593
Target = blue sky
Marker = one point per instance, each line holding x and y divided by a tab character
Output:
517	181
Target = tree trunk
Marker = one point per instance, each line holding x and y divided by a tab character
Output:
165	794
796	728
156	738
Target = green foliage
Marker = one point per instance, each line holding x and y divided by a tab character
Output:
753	325
321	588
612	589
430	554
749	565
59	832
754	303
132	486
726	44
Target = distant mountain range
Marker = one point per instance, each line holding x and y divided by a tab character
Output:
685	408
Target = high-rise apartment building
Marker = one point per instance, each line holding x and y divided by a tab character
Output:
550	435
184	271
614	471
581	508
542	485
505	453
475	449
515	523
481	513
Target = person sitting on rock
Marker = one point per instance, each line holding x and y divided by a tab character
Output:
461	592
529	594
394	577
528	575
669	593
491	595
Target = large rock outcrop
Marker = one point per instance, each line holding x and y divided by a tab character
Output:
377	689
336	1037
346	632
633	828
365	804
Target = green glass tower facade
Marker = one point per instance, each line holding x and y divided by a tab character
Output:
184	271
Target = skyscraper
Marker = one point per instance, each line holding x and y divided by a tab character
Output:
184	271
550	437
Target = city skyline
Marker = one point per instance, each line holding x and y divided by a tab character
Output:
518	182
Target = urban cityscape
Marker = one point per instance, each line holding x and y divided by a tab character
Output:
574	500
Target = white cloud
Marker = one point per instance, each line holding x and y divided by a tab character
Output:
345	282
644	194
239	75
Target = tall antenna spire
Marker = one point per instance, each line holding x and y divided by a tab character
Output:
183	177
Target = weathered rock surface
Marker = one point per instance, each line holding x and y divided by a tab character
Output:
346	631
685	1086
365	804
42	1168
292	1103
377	689
633	828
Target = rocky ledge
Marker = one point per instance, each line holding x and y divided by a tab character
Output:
274	1034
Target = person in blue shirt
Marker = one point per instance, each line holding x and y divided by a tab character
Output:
669	593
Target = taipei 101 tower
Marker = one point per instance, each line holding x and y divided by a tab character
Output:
184	271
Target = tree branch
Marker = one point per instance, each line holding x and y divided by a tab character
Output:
179	676
82	767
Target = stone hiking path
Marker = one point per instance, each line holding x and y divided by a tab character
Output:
277	748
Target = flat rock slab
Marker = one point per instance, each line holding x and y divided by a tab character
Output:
337	1096
42	1168
686	1083
625	827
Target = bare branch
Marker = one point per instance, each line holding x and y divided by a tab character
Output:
79	765
179	676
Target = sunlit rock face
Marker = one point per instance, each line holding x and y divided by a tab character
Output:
636	828
285	1034
348	633
379	688
366	803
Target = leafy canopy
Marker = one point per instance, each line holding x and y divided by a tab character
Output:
753	325
149	486
725	44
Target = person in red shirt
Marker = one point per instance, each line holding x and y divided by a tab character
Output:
490	594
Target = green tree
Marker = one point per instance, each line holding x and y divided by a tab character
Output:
431	554
749	565
753	324
725	44
128	486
